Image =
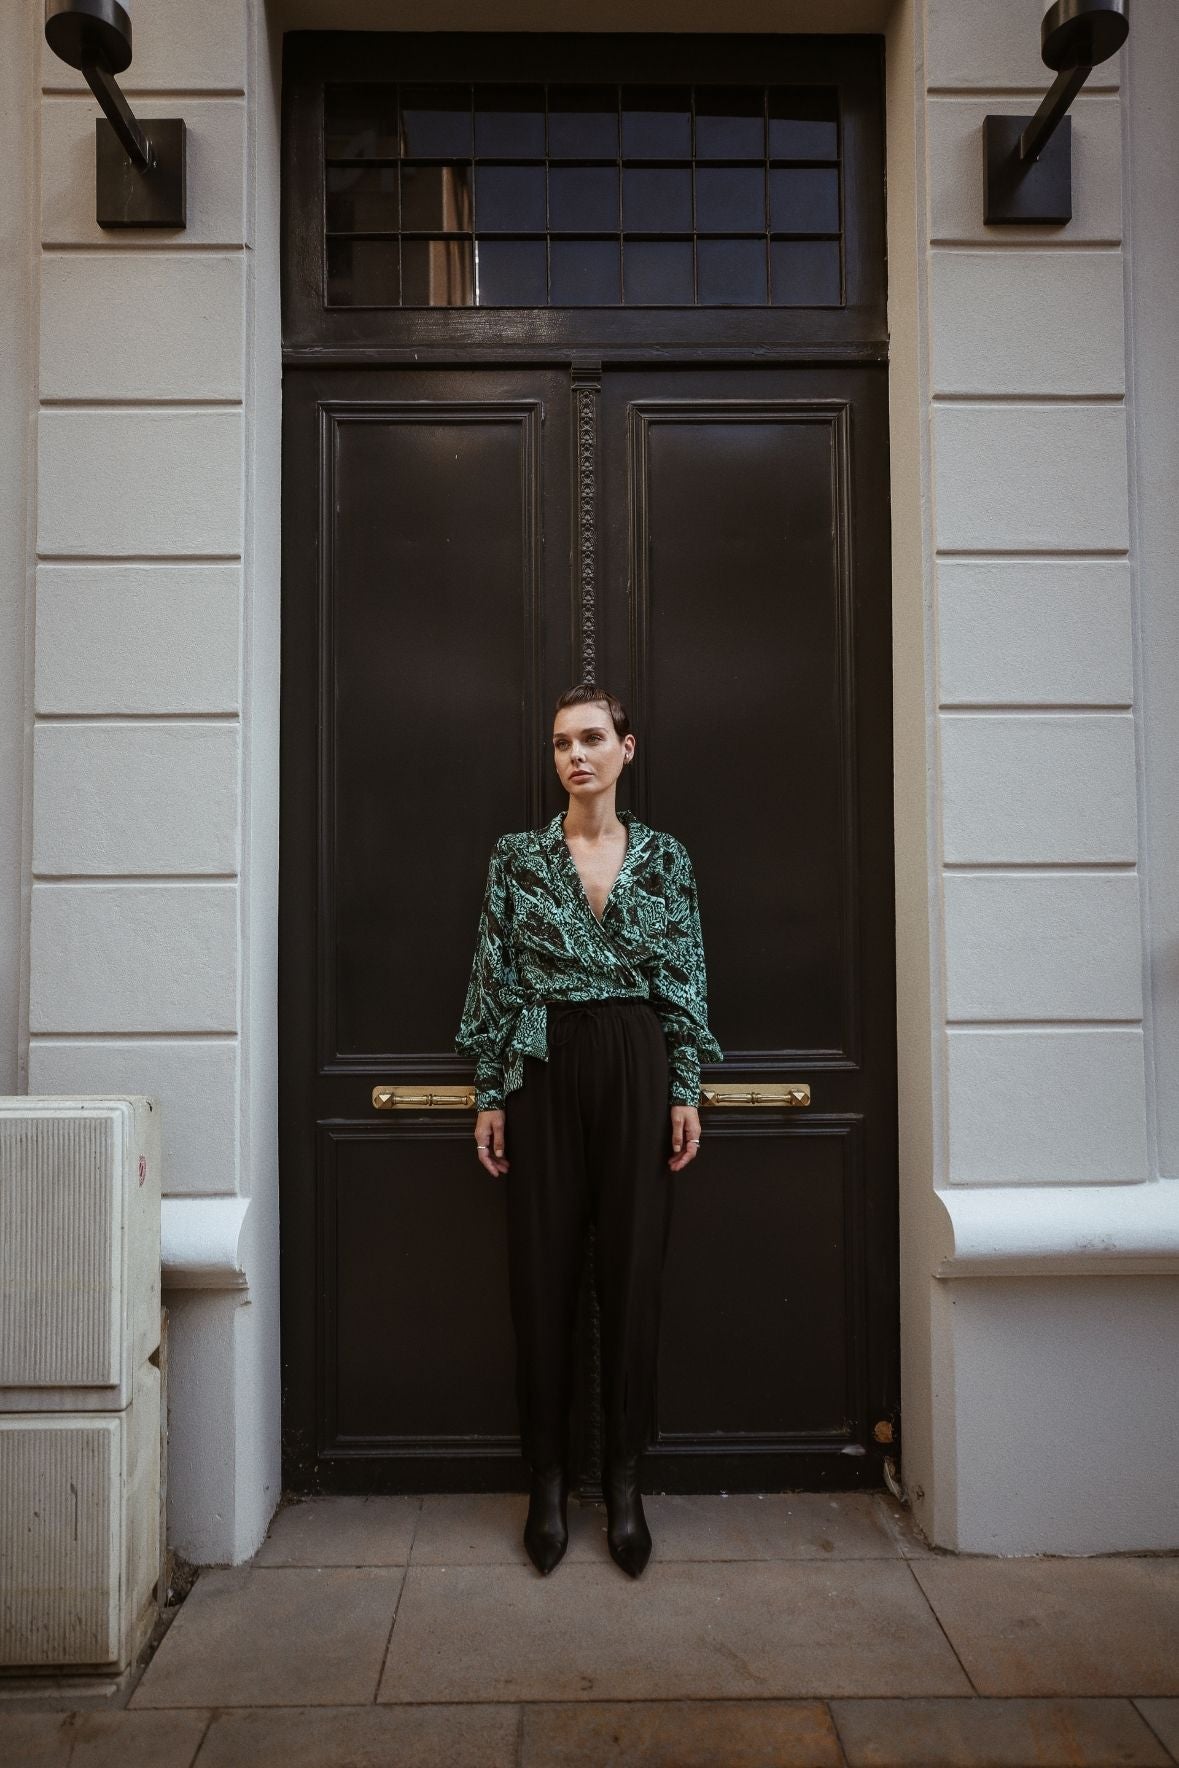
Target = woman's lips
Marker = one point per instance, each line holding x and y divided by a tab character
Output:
582	775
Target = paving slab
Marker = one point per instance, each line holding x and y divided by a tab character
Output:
1163	1718
713	1631
679	1734
275	1637
365	1737
987	1733
1060	1626
341	1531
101	1740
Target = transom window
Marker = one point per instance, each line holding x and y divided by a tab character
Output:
474	195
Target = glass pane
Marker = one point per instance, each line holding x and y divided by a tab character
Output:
657	201
509	122
511	272
583	199
436	199
656	123
437	273
803	123
805	272
584	273
658	271
583	122
436	120
362	199
729	123
732	272
509	199
360	122
804	200
731	199
362	273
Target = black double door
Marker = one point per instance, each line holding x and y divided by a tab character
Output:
462	541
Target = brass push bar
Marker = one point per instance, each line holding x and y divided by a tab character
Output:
416	1098
729	1093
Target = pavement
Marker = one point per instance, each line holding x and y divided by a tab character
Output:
766	1632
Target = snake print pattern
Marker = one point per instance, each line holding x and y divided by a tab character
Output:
539	939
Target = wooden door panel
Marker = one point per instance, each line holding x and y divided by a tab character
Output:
744	510
417	1340
754	1363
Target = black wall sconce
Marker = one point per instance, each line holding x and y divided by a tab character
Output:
139	168
1029	160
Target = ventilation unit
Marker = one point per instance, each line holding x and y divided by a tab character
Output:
80	1439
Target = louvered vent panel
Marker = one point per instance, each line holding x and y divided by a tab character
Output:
59	1590
58	1251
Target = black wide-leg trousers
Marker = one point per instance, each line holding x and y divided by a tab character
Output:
588	1138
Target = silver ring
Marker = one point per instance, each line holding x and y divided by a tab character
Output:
692	1139
481	1147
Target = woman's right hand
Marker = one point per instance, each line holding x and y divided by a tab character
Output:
489	1140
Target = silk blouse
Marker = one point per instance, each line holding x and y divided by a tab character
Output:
539	940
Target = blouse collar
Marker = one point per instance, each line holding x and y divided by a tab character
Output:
552	838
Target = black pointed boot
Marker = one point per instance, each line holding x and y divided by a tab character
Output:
546	1531
627	1533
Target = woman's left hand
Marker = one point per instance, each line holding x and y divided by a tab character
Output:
685	1133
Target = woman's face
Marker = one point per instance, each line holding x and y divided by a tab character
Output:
587	752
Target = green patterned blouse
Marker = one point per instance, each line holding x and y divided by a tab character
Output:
540	940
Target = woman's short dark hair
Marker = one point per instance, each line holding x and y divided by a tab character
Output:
588	693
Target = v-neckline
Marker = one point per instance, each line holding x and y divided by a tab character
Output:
624	817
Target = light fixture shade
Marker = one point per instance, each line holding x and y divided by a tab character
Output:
1082	33
95	33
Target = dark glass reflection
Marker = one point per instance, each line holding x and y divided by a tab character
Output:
511	272
363	273
360	122
804	199
657	200
583	199
362	199
680	220
657	272
584	273
509	199
731	272
437	273
436	199
656	123
805	273
509	122
729	123
583	122
803	123
436	121
730	199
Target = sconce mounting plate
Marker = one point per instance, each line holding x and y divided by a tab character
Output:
1039	189
128	197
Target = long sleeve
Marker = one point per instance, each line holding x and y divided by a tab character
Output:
679	990
482	1027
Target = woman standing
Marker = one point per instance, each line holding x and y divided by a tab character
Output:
586	1016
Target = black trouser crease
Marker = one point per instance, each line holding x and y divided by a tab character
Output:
588	1139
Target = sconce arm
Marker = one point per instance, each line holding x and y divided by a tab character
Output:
135	144
1053	106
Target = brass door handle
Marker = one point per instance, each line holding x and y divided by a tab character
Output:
417	1098
793	1093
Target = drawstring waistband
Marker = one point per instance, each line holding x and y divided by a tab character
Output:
565	1016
